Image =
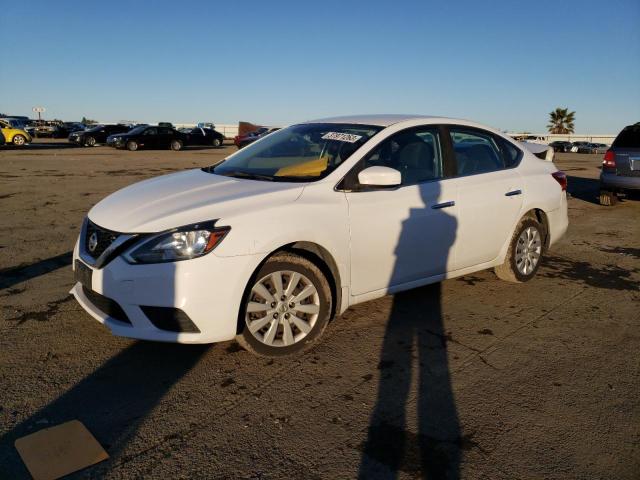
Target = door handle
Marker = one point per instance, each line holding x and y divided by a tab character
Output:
438	206
513	192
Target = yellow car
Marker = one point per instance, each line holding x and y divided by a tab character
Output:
13	135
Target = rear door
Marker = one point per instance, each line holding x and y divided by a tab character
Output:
165	136
490	192
197	137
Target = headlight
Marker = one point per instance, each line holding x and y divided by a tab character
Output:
183	243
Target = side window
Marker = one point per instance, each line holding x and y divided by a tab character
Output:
510	154
476	152
151	131
415	153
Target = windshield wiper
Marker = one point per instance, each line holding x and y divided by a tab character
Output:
250	176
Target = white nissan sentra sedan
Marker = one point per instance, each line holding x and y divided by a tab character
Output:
267	246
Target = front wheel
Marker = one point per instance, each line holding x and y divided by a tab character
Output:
90	142
524	254
132	146
19	140
217	142
286	307
176	145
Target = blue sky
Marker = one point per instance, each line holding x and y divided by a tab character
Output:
503	63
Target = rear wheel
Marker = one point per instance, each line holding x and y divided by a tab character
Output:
176	145
19	140
132	145
608	198
286	307
525	252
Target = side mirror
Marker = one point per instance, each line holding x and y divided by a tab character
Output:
380	177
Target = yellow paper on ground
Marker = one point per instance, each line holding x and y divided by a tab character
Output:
57	451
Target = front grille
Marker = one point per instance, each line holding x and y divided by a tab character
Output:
106	305
103	238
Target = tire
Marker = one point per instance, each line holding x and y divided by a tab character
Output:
525	252
90	142
175	145
280	328
132	145
608	198
19	140
217	142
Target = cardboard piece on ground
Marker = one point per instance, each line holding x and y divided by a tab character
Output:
57	451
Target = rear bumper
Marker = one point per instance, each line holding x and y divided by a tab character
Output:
613	181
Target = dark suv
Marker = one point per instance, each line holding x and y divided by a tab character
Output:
96	135
621	166
149	137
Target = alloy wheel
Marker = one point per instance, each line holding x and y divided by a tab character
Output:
282	308
528	250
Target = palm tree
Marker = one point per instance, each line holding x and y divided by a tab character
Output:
561	121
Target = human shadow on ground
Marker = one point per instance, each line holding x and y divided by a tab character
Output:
13	275
416	340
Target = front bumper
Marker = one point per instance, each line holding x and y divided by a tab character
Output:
208	290
619	182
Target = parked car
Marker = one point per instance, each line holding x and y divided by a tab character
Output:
71	127
592	148
2	140
599	148
271	243
531	139
242	141
148	137
96	135
575	146
561	146
621	166
204	136
14	135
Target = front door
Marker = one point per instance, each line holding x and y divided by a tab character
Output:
407	233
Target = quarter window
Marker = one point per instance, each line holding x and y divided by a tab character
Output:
415	153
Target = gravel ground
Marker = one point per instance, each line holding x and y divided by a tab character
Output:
471	378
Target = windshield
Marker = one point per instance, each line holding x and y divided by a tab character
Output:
298	153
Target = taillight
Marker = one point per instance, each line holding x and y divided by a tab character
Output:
561	178
609	159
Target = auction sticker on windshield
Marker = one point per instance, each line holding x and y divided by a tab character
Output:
342	137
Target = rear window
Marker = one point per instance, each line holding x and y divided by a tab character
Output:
628	138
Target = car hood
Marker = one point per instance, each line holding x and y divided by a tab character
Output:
184	198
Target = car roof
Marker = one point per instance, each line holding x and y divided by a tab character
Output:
382	120
386	120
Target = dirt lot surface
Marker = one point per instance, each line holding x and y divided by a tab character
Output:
475	377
